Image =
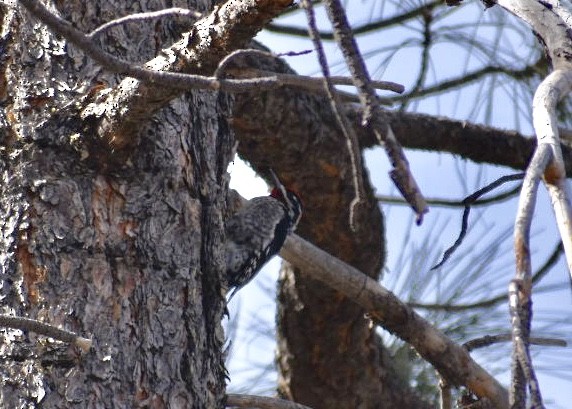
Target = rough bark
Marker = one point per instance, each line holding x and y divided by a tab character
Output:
328	354
126	252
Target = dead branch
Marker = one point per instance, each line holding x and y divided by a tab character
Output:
554	88
551	23
150	15
28	324
400	174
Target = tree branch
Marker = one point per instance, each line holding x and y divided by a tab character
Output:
451	84
470	141
28	324
401	173
438	202
173	70
554	88
121	111
335	102
451	360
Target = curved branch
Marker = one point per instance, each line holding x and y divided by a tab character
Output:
468	201
526	72
150	15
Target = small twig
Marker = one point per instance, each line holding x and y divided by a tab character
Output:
300	81
261	402
223	64
151	15
294	53
28	324
347	129
401	174
489	340
468	202
425	55
453	203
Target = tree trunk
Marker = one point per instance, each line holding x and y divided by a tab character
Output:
123	248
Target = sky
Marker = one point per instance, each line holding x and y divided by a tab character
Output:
253	340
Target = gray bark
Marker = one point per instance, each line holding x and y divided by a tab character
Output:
120	247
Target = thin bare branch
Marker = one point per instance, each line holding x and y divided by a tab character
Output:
451	360
347	129
453	84
299	81
28	324
523	374
363	29
425	55
501	197
521	286
400	174
489	340
260	402
150	15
